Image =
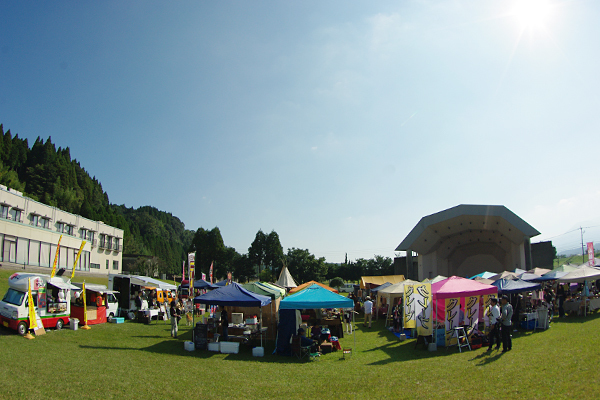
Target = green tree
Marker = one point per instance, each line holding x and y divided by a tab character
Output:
336	283
304	266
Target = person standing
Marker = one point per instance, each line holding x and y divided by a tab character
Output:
505	319
368	311
224	324
494	324
174	316
561	300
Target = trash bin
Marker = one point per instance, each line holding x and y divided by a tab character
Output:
74	323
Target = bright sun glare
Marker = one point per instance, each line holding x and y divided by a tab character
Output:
532	14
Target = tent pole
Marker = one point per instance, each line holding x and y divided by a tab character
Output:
261	325
354	330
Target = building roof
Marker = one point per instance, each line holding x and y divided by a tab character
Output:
464	224
380	280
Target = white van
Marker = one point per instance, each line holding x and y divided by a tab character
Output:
51	298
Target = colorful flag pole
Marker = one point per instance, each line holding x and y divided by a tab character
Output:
32	317
211	272
85	324
183	270
77	258
55	258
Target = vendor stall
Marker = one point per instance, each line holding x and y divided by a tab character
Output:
234	295
456	294
101	303
313	297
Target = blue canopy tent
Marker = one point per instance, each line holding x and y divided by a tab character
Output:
530	276
509	286
234	295
378	288
313	297
553	275
221	283
199	284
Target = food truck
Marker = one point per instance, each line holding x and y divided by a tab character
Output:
129	286
50	297
101	303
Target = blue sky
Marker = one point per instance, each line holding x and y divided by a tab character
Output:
336	124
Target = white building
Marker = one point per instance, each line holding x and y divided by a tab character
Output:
29	234
468	239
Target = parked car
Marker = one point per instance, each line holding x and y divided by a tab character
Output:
347	288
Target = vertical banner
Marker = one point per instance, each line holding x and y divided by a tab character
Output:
452	319
77	258
422	294
183	270
203	276
84	304
590	251
192	264
487	310
409	307
471	313
210	272
55	258
32	316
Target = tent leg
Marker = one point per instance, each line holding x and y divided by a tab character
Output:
261	326
354	331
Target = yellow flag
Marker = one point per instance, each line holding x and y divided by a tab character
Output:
77	258
55	258
84	304
32	317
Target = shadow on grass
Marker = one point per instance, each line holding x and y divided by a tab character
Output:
487	357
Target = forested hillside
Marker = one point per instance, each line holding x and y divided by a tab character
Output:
49	175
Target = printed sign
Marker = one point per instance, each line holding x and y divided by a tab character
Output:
422	302
452	319
471	313
409	307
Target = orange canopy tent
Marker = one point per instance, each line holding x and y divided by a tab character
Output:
307	284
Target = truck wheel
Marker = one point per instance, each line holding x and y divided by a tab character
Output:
22	328
59	324
110	317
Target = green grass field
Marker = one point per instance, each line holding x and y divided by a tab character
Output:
135	360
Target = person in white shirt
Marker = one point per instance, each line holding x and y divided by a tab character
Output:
368	311
494	321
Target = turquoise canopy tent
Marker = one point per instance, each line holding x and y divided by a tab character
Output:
315	296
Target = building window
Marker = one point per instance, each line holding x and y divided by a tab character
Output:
115	265
83	233
90	236
94	266
60	227
4	211
117	243
17	215
45	223
102	240
106	264
69	230
109	242
34	220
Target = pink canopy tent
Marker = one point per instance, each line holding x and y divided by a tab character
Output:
454	287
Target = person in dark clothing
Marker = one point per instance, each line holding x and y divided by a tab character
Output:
174	317
506	314
561	300
138	300
224	324
494	324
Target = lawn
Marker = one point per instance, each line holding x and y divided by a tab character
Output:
130	359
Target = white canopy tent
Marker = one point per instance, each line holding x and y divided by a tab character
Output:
285	279
392	292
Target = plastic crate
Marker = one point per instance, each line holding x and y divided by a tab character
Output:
230	347
258	352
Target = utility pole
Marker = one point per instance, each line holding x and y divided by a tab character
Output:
582	252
